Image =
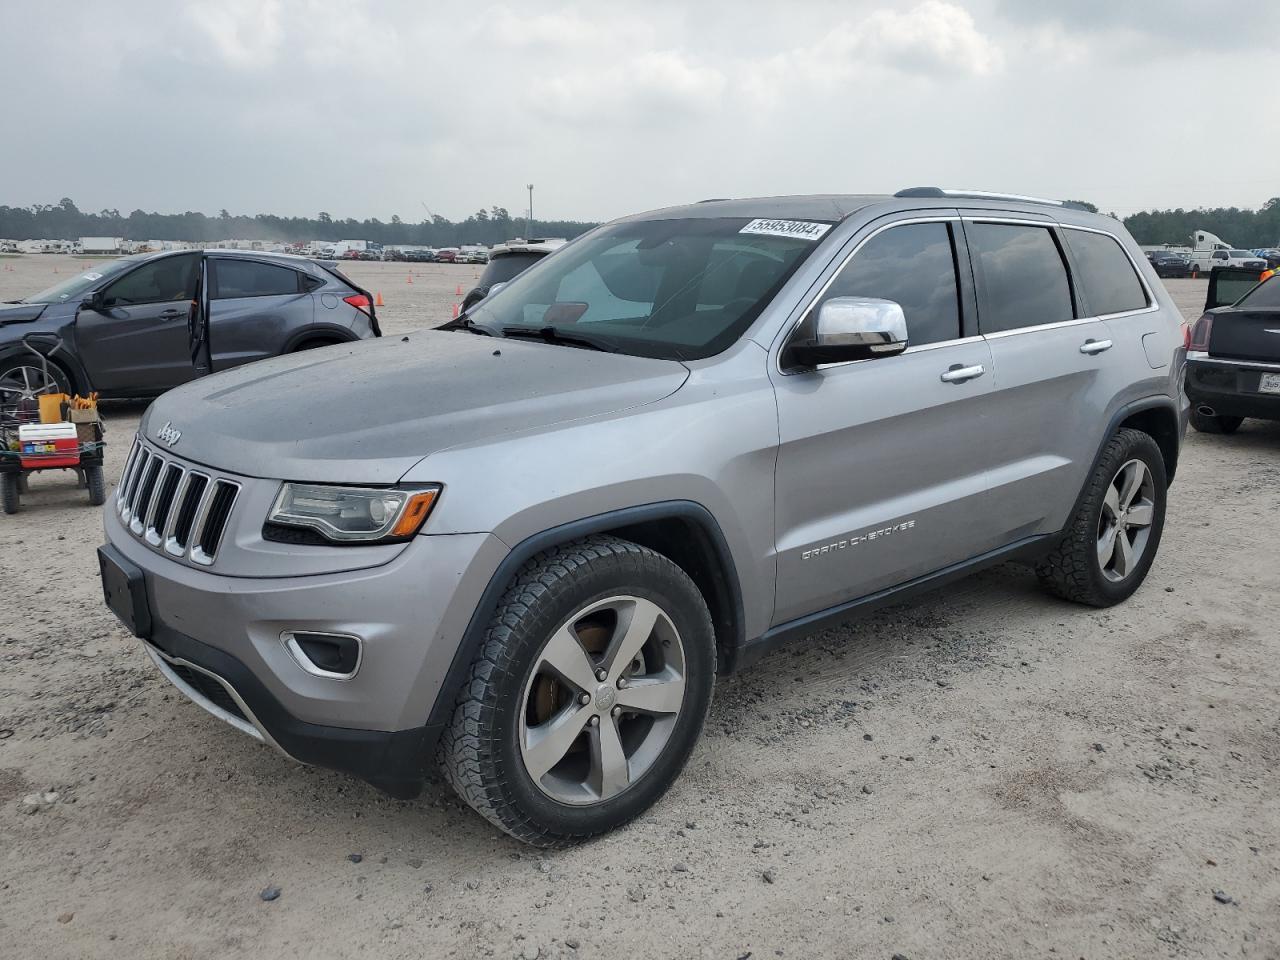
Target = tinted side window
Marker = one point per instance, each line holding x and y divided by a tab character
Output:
166	280
252	278
913	265
1024	281
1109	281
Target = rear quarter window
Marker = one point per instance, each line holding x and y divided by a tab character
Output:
1110	283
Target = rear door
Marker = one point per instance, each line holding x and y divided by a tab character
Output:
254	308
881	471
1057	365
137	342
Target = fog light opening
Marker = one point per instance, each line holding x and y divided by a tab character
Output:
331	656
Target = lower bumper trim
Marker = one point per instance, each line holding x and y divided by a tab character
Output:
395	762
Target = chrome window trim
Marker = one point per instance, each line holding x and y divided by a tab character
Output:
1197	356
1078	321
780	342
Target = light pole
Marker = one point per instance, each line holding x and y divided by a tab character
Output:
528	224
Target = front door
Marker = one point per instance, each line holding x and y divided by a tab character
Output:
881	473
137	341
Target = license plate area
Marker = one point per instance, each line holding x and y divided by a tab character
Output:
125	591
1269	383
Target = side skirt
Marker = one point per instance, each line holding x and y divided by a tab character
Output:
1026	549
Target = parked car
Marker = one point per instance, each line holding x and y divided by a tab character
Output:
1225	258
445	255
1169	265
1233	352
507	261
526	543
1269	254
120	328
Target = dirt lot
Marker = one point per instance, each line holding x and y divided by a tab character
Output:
984	773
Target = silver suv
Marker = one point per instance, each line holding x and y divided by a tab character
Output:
520	547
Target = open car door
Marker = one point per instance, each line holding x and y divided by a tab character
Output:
1229	284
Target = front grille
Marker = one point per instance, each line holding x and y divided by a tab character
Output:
209	688
172	507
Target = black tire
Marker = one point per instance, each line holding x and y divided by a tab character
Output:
97	485
1072	570
9	492
480	751
1214	423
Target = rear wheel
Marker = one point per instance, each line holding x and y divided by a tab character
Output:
96	484
1215	423
587	696
9	492
1112	538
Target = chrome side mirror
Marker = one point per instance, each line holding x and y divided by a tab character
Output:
851	328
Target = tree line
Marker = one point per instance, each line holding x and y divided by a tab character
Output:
65	221
1242	228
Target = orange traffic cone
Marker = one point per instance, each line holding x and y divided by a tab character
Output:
377	301
458	292
455	311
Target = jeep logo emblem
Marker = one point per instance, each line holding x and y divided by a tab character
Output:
168	434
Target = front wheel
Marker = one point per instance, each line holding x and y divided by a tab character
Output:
1111	540
587	696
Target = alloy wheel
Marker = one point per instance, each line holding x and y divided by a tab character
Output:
1124	528
602	700
25	382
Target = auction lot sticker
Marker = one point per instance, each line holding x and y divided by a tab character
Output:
802	229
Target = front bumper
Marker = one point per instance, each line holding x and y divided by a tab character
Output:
219	639
1230	387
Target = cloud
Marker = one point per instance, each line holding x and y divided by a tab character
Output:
243	33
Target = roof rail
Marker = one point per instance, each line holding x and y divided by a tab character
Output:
940	193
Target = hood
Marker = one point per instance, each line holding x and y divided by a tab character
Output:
20	312
367	412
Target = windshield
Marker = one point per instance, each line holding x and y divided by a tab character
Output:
676	289
1265	296
81	284
1242	254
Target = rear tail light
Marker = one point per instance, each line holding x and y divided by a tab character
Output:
360	302
1198	337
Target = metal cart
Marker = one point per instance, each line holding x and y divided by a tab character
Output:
22	456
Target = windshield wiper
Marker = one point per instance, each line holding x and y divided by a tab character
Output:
555	335
465	323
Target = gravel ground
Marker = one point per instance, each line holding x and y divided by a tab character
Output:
983	773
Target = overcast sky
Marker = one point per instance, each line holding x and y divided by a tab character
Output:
373	109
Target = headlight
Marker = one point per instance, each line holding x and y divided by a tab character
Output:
353	514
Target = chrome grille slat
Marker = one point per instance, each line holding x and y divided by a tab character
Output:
124	474
146	492
162	503
174	508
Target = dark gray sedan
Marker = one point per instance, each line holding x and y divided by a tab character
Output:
121	328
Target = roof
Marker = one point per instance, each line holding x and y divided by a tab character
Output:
832	206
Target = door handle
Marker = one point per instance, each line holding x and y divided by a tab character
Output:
170	314
959	374
1095	346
